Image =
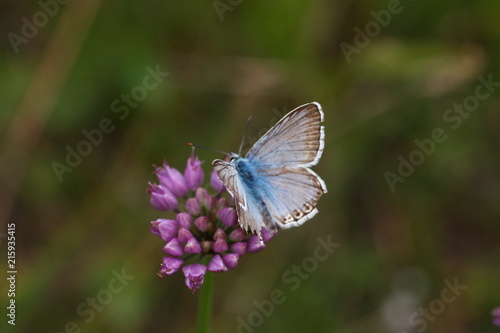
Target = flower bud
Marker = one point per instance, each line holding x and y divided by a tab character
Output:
216	183
193	173
168	229
173	248
220	246
267	235
231	260
239	248
228	216
254	244
204	198
194	274
193	206
184	235
172	179
184	220
237	235
169	266
154	228
216	264
192	246
201	223
162	198
220	234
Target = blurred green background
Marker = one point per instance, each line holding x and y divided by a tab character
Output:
228	61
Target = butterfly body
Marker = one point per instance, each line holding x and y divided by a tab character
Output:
273	185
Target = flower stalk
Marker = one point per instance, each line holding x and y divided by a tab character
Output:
205	305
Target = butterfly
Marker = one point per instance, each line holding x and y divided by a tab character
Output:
273	185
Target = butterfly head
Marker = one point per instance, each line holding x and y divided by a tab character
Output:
233	156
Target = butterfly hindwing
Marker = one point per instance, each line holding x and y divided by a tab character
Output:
291	195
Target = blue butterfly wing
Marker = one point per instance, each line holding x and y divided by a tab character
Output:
281	160
290	194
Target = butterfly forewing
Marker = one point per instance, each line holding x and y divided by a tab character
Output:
252	214
297	139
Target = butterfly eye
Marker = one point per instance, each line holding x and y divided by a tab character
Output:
233	156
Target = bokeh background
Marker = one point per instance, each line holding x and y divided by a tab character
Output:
259	59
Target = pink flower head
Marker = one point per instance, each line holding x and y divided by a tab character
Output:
203	234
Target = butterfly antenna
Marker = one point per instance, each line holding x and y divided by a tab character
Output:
244	135
212	149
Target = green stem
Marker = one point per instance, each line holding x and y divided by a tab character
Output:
205	305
